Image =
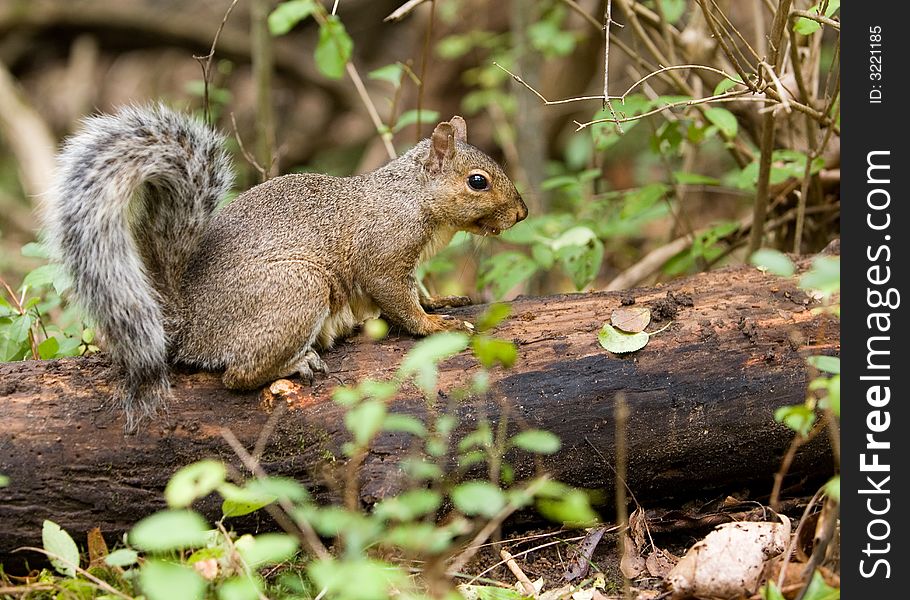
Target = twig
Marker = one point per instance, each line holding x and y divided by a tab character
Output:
305	528
384	134
621	421
718	97
715	31
767	135
492	525
424	60
404	9
262	75
808	14
99	582
784	94
606	102
263	173
526	584
206	63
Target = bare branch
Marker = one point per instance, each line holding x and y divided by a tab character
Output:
404	9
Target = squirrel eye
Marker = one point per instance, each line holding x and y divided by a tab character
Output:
478	182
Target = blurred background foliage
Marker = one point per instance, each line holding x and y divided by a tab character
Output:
612	205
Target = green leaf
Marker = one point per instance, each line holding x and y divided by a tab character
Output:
482	437
282	488
70	346
431	350
48	348
620	342
493	316
333	51
404	424
409	117
819	590
240	587
122	557
357	578
489	592
4	481
537	440
266	549
566	505
673	9
824	275
58	542
832	488
723	119
684	178
828	364
36	250
576	236
478	498
169	530
194	481
43	275
365	420
726	84
19	327
288	14
408	506
799	418
504	271
773	261
420	538
390	73
421	470
239	501
161	580
770	591
547	37
490	351
378	390
582	263
806	26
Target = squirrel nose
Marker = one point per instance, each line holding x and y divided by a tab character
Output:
522	212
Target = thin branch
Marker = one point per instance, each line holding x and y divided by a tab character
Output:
263	172
371	109
492	525
784	94
718	97
404	9
206	63
424	60
767	135
606	102
306	529
808	14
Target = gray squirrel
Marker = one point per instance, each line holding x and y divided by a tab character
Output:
256	288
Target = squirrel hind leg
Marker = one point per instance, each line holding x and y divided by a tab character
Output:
308	365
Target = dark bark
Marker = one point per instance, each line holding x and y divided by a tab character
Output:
702	396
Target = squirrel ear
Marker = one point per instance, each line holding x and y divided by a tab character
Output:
442	146
461	128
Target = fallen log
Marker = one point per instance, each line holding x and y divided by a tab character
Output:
701	394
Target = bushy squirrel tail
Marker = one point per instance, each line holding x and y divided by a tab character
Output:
132	196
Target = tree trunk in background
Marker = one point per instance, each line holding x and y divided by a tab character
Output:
702	396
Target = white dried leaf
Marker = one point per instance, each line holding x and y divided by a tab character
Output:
730	561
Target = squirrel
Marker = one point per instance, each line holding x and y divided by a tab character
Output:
257	288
